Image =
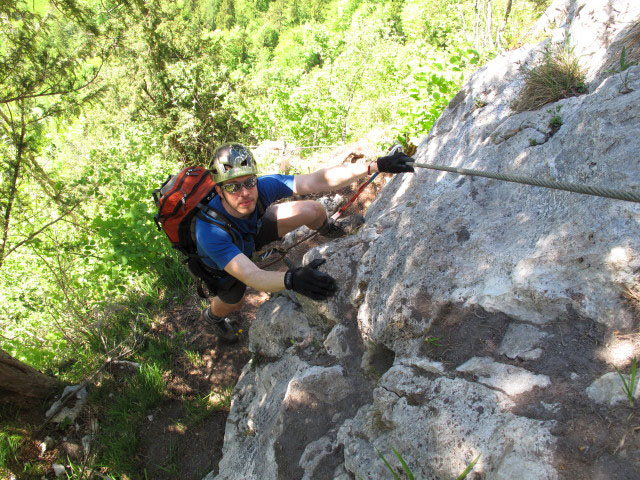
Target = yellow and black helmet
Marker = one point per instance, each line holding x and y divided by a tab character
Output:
232	160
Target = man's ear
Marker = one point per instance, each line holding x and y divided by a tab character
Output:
218	189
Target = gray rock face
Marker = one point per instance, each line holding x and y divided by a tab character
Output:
474	316
521	341
279	325
609	389
507	378
508	247
424	418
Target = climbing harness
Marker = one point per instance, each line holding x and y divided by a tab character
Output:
568	187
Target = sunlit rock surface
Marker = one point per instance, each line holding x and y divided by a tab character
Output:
476	318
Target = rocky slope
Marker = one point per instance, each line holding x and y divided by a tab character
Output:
475	317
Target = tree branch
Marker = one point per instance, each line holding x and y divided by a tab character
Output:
12	191
33	235
58	92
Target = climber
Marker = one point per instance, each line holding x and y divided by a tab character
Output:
241	219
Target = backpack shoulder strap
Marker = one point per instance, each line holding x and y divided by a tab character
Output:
213	216
260	207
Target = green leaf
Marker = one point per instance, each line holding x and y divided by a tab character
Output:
388	465
405	467
468	469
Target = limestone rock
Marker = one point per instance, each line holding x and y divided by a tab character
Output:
507	378
278	324
532	253
521	341
439	426
72	408
609	389
281	416
336	343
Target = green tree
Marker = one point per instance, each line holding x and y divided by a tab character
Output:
226	16
50	59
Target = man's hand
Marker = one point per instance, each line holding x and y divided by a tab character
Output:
396	163
310	282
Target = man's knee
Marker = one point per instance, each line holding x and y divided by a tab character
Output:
317	214
221	308
292	215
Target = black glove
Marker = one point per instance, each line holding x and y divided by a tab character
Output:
396	163
310	282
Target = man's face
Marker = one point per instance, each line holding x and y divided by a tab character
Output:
242	203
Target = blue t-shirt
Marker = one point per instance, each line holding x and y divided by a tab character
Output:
216	246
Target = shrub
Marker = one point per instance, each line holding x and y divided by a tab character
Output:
558	76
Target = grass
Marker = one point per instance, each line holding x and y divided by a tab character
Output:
117	440
120	402
405	467
201	407
629	387
559	75
9	444
433	341
194	358
409	474
623	66
469	468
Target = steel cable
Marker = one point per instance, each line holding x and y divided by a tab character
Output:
568	187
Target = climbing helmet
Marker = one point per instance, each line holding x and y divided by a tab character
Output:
232	160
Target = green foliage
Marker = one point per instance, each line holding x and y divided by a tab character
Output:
629	386
555	122
433	341
9	444
468	469
435	81
557	76
118	442
225	18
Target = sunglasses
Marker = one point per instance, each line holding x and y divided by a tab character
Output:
235	187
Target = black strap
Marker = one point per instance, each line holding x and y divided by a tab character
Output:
214	217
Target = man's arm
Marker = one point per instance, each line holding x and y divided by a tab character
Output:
250	274
305	280
332	178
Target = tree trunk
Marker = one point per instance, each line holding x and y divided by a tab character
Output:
499	39
488	25
13	187
476	25
22	385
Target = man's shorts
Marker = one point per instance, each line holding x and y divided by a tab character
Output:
224	286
